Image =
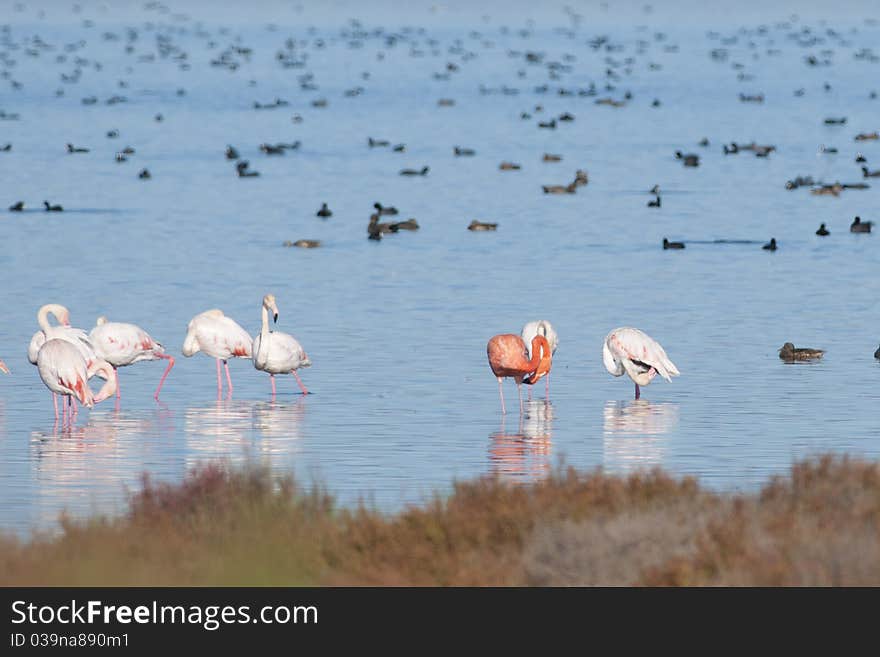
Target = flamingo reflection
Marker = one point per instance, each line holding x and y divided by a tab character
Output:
523	456
635	432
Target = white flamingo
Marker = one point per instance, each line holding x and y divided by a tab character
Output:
219	337
632	352
545	328
64	371
122	344
276	352
63	331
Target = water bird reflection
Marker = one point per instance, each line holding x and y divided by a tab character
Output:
523	456
634	433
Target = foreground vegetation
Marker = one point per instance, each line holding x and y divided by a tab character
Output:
820	525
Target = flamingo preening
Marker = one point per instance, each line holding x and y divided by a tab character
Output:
64	371
508	357
276	352
529	331
63	331
122	344
632	352
220	337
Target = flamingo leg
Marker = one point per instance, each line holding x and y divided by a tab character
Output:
74	407
162	380
118	393
519	391
638	392
547	390
530	393
299	381
228	378
272	379
55	403
219	381
501	392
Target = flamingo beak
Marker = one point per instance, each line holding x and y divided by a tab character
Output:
275	318
3	367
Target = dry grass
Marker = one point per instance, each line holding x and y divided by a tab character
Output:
818	526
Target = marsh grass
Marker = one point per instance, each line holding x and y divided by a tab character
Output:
819	525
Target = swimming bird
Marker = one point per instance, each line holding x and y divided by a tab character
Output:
655	203
480	225
771	245
17	207
690	159
550	157
409	224
275	352
509	166
822	232
145	174
632	352
860	158
52	208
867	136
324	211
122	344
375	227
508	357
243	172
73	149
859	226
373	143
231	153
870	174
382	210
304	244
463	152
64	371
220	337
876	354
790	353
560	189
415	172
580	178
529	331
672	245
655	190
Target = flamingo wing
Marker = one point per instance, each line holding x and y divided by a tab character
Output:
122	344
627	349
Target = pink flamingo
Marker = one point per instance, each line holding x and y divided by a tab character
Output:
219	337
545	328
64	371
508	357
123	344
630	351
276	352
63	331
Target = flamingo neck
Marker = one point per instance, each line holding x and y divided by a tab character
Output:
262	355
43	315
109	388
540	346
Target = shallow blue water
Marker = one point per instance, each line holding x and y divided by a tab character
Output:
403	400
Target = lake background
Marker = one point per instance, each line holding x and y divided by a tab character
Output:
403	399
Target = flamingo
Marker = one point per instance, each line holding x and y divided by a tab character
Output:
529	331
64	371
64	331
508	356
219	337
632	352
276	352
123	344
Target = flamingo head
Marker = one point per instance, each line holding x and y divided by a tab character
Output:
269	304
64	318
3	367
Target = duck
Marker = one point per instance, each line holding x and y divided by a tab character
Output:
242	168
560	189
112	134
704	142
399	148
581	178
822	232
566	116
877	353
17	207
270	149
856	186
870	174
733	149
231	153
446	102
52	208
866	136
655	203
324	211
415	172
463	152
145	174
73	149
304	244
833	190
6	148
672	245
790	353
509	166
859	226
409	224
548	124
120	157
480	225
771	245
655	190
374	143
550	157
860	158
382	210
690	159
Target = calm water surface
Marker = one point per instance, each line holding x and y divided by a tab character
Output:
404	402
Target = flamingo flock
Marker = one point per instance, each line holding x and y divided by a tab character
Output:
67	357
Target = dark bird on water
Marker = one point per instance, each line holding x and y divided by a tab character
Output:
771	245
52	208
655	203
672	245
382	210
324	211
822	232
859	226
480	225
414	172
17	207
790	353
